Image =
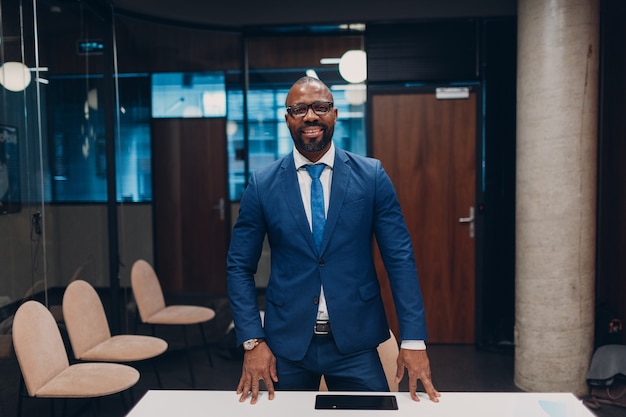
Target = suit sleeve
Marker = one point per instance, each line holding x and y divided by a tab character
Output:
241	264
396	248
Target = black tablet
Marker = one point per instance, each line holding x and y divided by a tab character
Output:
355	402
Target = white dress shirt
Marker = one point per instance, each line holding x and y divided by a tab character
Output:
304	179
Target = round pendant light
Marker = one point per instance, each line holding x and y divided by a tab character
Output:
353	66
14	76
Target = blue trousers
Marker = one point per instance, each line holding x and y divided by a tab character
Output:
361	371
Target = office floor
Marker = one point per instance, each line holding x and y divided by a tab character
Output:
454	367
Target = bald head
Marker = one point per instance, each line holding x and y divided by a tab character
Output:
308	80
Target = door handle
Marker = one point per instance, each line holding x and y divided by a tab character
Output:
221	206
470	220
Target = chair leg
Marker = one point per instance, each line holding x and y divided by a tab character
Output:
136	321
83	406
20	397
206	345
130	395
95	406
193	378
124	403
154	367
156	373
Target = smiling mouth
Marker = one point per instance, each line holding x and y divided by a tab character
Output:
311	131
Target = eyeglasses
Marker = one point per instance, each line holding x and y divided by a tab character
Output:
320	108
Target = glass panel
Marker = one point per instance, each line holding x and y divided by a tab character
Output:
188	95
78	142
23	183
10	188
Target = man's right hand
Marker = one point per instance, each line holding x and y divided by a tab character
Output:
258	364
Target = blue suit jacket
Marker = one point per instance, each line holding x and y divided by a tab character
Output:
363	204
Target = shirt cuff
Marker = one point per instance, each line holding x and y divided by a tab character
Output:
413	345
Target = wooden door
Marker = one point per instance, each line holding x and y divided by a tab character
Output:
428	148
191	204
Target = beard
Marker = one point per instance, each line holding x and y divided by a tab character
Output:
318	145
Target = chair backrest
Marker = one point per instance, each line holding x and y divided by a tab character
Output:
84	316
388	352
38	345
146	289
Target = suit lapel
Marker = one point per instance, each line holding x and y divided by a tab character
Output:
341	177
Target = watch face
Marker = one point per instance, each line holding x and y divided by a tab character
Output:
250	344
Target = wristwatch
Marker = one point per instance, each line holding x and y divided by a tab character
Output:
251	343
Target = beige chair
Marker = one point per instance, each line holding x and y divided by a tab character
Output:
90	336
153	311
45	367
388	352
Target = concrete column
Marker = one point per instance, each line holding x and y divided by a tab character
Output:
557	86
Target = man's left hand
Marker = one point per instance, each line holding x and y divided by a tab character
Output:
418	366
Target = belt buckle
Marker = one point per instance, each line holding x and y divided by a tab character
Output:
321	328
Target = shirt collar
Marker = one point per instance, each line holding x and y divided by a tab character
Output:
328	158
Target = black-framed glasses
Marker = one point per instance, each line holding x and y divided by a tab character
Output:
319	107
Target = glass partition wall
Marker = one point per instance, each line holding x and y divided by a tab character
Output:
77	189
23	182
72	161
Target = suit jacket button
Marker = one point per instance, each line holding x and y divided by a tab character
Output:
320	262
316	300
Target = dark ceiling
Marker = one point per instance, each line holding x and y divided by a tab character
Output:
244	13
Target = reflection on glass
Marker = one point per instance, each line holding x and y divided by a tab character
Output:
78	143
197	95
10	195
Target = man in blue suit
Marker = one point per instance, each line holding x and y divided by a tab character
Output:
324	314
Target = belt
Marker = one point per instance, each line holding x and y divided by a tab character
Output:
321	327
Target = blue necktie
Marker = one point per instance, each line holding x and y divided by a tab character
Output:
318	214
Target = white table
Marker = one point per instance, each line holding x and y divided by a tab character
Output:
197	403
